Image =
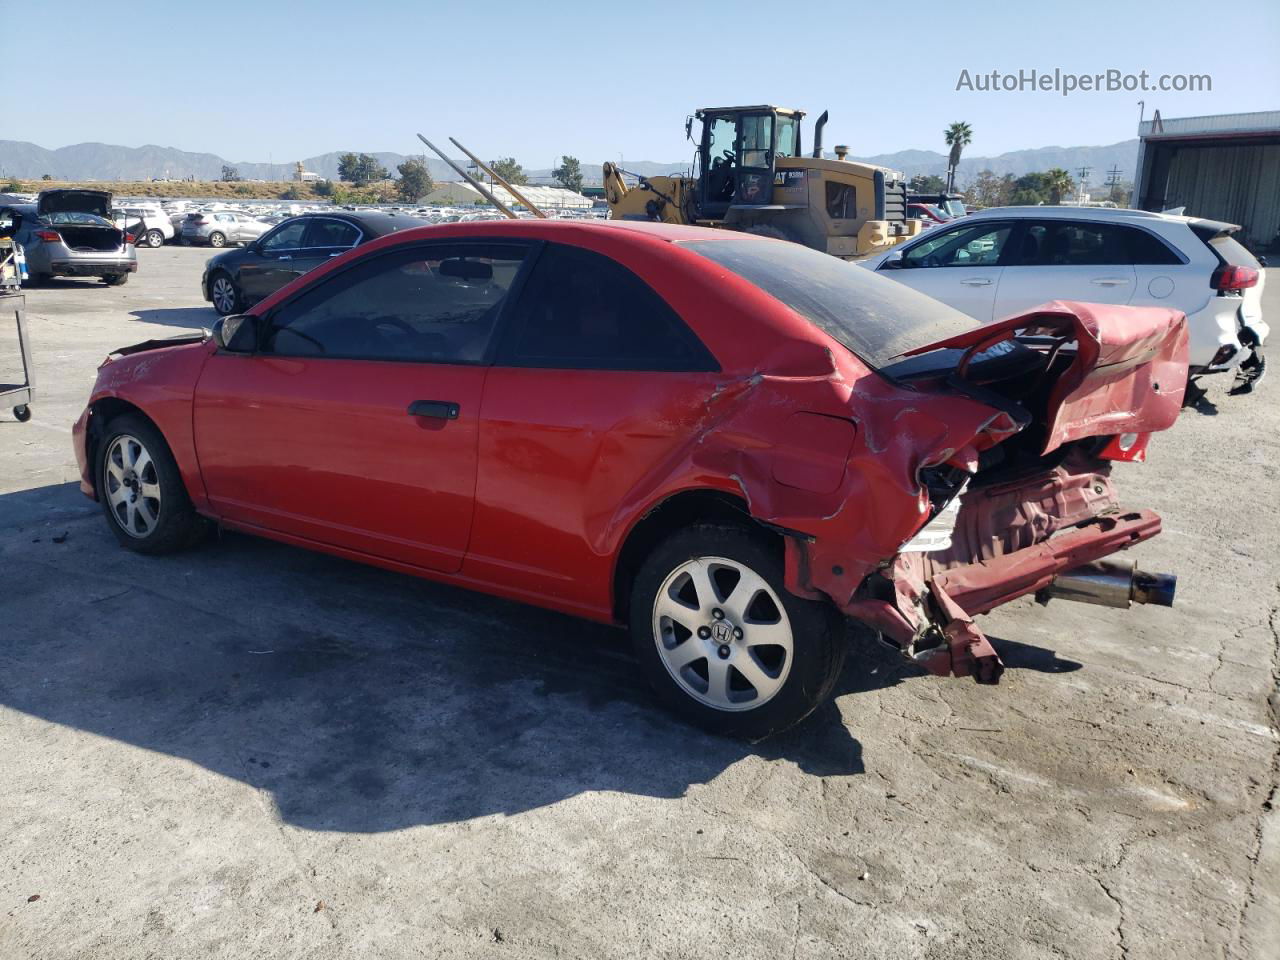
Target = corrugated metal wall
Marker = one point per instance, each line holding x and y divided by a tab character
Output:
1239	184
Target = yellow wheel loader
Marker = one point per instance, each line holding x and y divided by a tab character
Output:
752	175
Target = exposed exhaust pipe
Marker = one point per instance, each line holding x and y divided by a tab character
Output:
817	135
1112	583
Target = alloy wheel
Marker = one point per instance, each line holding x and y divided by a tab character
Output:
224	295
132	486
723	633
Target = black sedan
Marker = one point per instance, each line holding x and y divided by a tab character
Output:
236	279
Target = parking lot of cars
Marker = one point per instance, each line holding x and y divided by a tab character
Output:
295	753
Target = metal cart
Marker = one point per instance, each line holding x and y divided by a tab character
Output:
13	308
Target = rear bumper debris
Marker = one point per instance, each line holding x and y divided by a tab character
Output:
930	617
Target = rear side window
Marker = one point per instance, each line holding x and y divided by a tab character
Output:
1145	249
875	317
331	233
1066	244
583	310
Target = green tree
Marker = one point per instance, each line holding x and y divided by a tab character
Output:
293	193
1059	184
509	170
926	183
958	136
569	173
13	186
348	167
324	188
988	190
45	176
415	180
230	174
369	170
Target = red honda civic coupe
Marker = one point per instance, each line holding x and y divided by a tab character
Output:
729	443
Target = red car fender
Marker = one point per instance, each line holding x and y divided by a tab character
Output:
161	383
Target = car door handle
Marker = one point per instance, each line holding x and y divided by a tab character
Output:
337	253
1110	281
976	282
285	257
439	409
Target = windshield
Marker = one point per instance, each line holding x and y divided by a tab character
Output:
954	208
72	217
875	317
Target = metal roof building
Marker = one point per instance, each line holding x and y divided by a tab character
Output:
552	198
1224	167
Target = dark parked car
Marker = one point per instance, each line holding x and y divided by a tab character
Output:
725	441
66	233
239	278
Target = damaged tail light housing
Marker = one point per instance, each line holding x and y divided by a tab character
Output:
130	238
49	236
1231	277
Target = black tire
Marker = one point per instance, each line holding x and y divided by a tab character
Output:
817	634
220	304
154	239
22	412
115	279
39	279
217	239
177	525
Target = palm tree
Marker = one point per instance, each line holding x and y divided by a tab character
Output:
958	136
1059	183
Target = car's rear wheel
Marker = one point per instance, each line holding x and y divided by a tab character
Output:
217	239
155	238
224	294
141	489
115	279
723	642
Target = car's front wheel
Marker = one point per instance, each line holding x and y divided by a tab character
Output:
721	639
224	294
154	238
141	489
217	239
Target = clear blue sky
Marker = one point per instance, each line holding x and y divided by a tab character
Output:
270	79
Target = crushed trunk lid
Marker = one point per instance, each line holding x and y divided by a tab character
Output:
1127	375
97	202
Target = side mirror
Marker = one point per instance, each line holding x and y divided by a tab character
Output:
892	262
237	333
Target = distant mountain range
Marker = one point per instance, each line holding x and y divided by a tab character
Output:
104	161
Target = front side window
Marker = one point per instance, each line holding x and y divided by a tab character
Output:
288	236
583	310
969	246
436	304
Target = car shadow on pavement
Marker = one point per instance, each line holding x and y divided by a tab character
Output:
193	317
359	700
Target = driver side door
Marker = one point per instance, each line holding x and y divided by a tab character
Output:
354	424
962	266
270	263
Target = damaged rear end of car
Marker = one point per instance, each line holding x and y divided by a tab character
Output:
1035	510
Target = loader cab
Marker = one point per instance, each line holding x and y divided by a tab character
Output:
738	153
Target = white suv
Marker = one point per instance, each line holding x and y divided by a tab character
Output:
156	226
1006	260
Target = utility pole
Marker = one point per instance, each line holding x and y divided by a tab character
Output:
1113	181
1082	182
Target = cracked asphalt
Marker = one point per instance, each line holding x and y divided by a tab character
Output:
249	750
